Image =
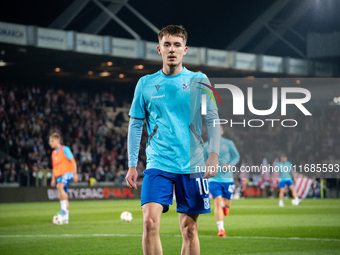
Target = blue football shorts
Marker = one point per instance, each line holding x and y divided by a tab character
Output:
66	179
191	190
225	190
284	183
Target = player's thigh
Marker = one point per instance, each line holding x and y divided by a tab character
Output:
216	189
64	181
157	187
228	190
61	186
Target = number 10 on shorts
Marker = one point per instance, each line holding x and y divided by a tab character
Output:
203	183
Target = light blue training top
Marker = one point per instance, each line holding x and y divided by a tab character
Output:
67	151
171	105
285	169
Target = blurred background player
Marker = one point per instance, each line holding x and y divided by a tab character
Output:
264	182
275	180
286	178
64	171
244	178
222	185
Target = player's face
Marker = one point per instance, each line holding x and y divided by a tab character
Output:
172	49
283	159
54	143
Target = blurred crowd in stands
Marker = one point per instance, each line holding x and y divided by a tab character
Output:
314	139
95	127
29	115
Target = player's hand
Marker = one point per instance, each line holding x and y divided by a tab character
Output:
211	166
75	178
131	177
53	183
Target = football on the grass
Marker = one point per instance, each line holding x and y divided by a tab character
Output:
126	216
58	220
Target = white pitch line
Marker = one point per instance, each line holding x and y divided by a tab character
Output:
201	236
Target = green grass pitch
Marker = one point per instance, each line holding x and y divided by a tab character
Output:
254	226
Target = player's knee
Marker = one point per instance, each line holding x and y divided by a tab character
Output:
189	232
150	225
218	204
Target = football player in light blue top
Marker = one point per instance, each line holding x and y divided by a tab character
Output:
222	185
286	179
170	102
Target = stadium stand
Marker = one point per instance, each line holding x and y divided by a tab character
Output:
90	127
94	126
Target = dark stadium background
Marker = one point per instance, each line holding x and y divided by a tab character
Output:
213	25
86	97
210	24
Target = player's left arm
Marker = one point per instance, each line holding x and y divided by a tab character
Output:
53	179
69	156
205	151
214	132
214	136
75	175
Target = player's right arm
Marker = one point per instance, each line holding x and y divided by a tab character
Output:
292	172
137	113
53	179
134	137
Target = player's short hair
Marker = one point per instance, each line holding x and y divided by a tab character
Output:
283	155
56	135
174	30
